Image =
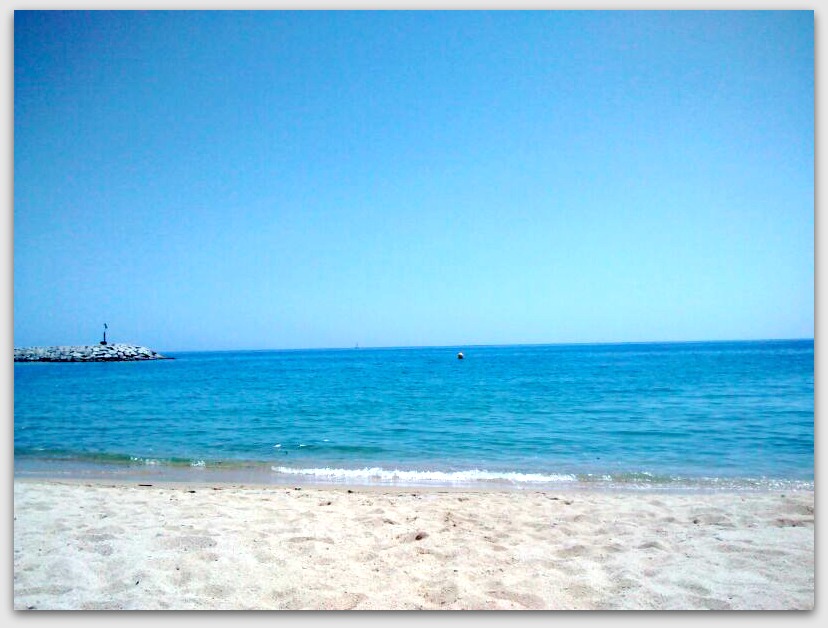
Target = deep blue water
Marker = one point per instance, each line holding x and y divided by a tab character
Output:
704	414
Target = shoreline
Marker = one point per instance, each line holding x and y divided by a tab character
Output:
264	474
104	544
244	482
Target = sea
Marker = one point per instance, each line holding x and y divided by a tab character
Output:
687	416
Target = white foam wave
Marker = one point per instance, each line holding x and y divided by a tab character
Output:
375	474
150	462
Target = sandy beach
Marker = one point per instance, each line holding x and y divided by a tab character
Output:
87	545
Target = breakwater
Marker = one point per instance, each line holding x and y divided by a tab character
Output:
87	353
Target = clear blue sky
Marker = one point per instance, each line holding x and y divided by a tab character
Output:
223	180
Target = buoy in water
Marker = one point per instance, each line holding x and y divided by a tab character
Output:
460	356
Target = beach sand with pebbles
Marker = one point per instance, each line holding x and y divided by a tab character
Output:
93	545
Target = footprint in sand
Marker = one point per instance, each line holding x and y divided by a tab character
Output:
527	600
574	551
187	543
344	602
444	596
104	549
311	539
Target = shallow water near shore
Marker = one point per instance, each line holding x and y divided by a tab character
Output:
669	416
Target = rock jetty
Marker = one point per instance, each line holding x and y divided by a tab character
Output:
87	353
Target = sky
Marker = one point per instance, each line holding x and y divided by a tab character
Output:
277	180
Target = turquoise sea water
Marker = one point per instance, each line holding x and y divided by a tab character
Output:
700	415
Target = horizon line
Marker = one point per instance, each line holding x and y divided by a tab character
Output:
492	345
